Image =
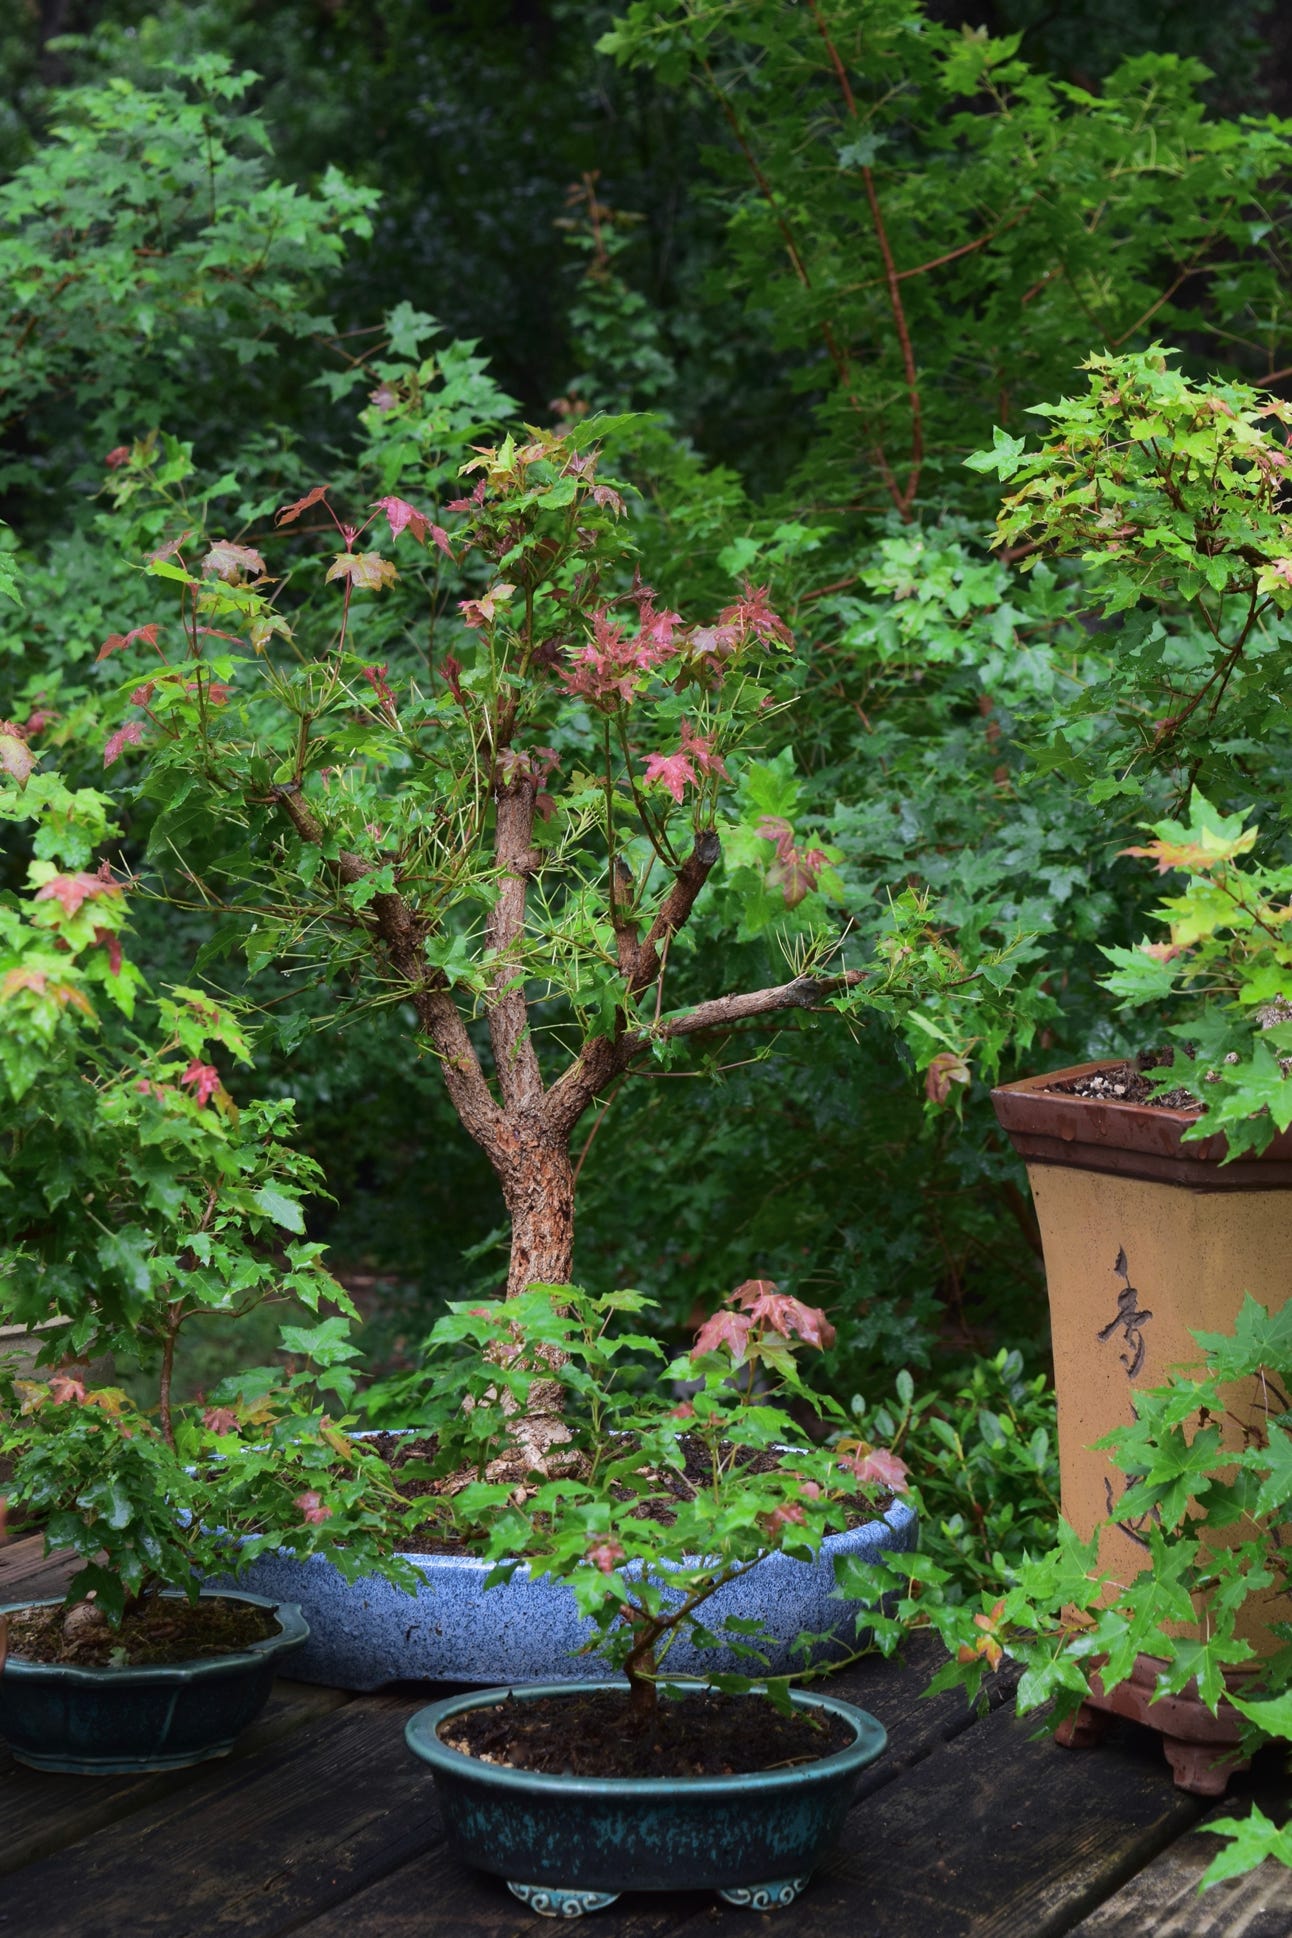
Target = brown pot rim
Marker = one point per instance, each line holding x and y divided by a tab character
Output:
1129	1140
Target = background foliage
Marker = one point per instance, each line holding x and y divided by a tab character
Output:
835	250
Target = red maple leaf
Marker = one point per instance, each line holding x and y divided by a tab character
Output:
202	1078
671	771
64	1390
606	1555
232	562
71	890
782	1313
117	642
878	1468
112	943
115	745
312	1508
729	1329
220	1419
404	517
290	512
117	456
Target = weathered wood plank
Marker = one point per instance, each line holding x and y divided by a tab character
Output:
247	1848
1162	1900
42	1814
997	1835
24	1570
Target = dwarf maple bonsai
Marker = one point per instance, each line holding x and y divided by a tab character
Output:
508	831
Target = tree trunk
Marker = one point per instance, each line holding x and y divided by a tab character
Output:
537	1179
538	1188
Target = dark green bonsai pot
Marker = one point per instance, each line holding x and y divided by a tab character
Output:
568	1844
162	1716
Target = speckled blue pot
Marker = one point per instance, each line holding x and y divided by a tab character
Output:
366	1633
570	1844
163	1716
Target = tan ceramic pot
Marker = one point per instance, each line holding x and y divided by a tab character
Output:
1147	1239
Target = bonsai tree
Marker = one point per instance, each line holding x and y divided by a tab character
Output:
671	1501
140	1197
506	822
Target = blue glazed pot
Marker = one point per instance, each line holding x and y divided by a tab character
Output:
569	1844
159	1716
366	1633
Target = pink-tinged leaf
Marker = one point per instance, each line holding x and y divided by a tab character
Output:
451	674
128	736
606	1556
70	891
312	1508
699	746
404	517
32	979
117	642
169	550
366	571
788	1514
779	1312
441	538
878	1468
143	694
65	1391
683	1411
147	1088
483	612
203	1079
16	757
752	615
605	495
39	719
670	771
750	1291
383	398
729	1329
220	1419
947	1067
291	512
106	939
232	562
117	456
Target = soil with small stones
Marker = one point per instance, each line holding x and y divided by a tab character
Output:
402	1450
161	1631
592	1733
1128	1083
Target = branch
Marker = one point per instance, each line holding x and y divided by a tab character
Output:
403	936
600	1060
515	1058
720	1012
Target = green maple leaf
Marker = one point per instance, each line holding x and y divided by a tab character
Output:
1252	1840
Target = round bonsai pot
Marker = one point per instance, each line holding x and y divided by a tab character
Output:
368	1632
160	1716
569	1844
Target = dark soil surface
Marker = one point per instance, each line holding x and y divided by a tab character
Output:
161	1631
402	1450
1127	1083
591	1733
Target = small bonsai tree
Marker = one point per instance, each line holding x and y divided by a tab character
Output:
672	1500
507	829
140	1197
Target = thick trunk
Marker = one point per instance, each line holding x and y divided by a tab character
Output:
538	1187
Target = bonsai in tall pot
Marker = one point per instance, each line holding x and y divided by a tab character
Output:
1162	1192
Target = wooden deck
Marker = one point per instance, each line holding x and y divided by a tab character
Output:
323	1825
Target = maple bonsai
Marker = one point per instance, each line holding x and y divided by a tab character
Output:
509	836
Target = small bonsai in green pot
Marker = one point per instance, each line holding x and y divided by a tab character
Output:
140	1197
671	1526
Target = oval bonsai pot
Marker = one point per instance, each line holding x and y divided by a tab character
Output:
84	1721
568	1844
368	1632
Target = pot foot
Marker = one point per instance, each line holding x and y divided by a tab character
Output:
1203	1769
765	1897
550	1901
1084	1728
